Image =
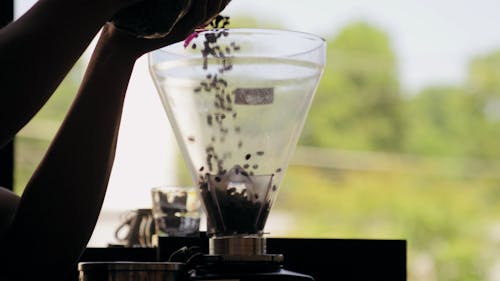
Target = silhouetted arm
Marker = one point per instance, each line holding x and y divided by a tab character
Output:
38	50
61	203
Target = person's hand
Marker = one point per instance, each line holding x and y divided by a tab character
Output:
200	14
117	5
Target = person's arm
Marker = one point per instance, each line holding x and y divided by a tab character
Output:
61	203
38	50
8	204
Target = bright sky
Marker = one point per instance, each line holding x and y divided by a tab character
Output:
433	38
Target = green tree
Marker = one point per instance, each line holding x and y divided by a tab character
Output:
357	105
484	86
484	75
439	121
462	120
34	139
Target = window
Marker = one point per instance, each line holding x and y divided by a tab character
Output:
400	143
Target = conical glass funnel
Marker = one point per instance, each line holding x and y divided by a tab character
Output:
237	100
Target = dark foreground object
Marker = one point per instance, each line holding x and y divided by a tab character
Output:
323	259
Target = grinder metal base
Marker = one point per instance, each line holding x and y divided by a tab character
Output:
248	245
243	258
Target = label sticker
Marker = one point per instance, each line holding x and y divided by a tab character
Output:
254	96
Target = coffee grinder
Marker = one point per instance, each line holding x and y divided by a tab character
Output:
237	100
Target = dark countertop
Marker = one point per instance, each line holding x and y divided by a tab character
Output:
324	259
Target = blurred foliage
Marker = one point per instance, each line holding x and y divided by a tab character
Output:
447	220
34	139
358	102
483	86
447	215
442	120
251	22
450	216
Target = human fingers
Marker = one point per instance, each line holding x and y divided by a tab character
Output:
223	5
120	4
213	8
196	15
195	18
